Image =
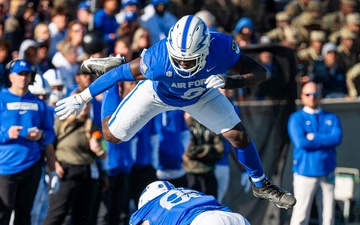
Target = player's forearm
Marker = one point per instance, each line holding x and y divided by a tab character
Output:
243	80
104	82
247	72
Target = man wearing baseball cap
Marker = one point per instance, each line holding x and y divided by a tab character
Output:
21	67
26	129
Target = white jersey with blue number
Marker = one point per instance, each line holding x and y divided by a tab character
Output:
175	90
176	207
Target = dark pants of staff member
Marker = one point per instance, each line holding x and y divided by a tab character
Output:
17	192
76	193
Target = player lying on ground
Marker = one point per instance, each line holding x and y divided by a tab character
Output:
182	72
162	204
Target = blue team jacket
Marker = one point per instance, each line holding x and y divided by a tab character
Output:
28	111
315	157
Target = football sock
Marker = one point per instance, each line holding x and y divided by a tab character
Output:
249	157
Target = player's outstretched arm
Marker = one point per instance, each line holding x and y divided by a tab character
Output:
126	72
247	71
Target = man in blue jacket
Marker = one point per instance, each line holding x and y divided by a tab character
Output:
315	133
26	129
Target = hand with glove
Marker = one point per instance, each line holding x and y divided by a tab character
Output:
215	81
245	181
54	183
75	103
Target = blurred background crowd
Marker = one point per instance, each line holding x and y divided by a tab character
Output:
56	36
324	35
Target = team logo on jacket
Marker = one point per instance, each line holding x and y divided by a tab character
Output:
168	74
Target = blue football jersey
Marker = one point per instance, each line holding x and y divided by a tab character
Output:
179	91
178	206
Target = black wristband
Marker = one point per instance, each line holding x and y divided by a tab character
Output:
234	81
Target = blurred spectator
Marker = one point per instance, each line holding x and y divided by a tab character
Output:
283	33
76	152
333	21
146	157
41	88
273	88
83	80
174	139
229	12
181	8
57	28
145	153
200	157
158	19
352	23
75	36
210	20
295	7
245	32
29	18
26	130
43	62
115	206
57	84
348	50
129	25
128	5
315	133
42	37
15	26
123	47
105	20
4	10
328	73
353	80
2	30
65	60
313	52
44	11
141	41
83	13
4	52
303	29
313	8
41	31
28	51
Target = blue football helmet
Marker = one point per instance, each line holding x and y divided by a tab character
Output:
188	39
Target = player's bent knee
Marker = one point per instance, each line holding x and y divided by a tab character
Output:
238	136
107	133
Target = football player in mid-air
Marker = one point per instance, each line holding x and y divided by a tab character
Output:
182	72
161	204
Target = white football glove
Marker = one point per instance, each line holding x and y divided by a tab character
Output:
67	106
214	81
54	183
245	181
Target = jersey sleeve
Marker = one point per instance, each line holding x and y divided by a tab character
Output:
154	61
223	49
